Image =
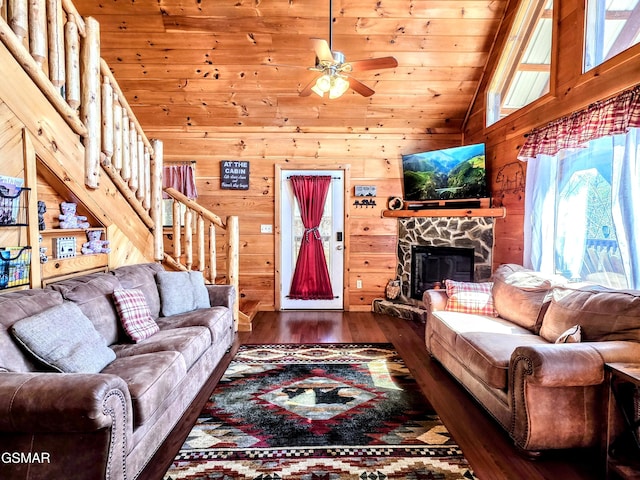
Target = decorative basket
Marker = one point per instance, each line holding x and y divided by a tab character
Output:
13	206
15	266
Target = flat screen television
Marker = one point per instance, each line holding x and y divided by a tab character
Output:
452	173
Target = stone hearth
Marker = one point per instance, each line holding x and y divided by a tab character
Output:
461	232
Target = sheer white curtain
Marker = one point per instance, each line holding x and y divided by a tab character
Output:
540	213
625	186
544	223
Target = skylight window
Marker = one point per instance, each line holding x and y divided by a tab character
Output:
612	26
524	69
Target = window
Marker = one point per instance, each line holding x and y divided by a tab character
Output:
582	205
524	69
586	245
612	26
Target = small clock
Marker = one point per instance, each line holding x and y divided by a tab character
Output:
395	203
65	247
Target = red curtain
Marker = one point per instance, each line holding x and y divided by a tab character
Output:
182	178
311	277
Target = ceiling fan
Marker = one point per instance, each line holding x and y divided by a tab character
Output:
335	72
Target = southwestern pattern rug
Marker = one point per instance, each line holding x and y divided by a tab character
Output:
318	412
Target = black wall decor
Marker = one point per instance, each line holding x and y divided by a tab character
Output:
234	175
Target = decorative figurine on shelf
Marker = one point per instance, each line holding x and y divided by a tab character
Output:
43	250
42	208
95	245
69	219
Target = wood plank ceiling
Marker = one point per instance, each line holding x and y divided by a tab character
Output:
198	65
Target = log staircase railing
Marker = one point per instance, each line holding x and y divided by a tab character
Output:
60	50
192	239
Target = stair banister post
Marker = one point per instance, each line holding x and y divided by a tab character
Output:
90	106
156	198
233	263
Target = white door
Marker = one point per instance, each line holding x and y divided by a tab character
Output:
332	233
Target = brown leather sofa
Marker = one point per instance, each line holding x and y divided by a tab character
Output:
546	395
104	425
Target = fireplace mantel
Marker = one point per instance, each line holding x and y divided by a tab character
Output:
500	212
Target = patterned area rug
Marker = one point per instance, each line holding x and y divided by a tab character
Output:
318	412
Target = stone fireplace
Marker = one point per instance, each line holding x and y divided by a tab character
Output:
431	265
460	236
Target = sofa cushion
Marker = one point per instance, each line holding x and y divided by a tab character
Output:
150	377
487	354
602	314
142	277
521	295
16	306
448	325
63	338
134	313
190	342
93	294
218	320
470	297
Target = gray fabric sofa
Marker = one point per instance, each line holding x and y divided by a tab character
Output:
104	425
545	393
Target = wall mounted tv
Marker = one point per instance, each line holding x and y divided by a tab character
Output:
452	173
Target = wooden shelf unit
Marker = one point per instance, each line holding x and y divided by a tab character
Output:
499	212
56	267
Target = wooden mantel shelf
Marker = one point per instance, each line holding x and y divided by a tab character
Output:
447	212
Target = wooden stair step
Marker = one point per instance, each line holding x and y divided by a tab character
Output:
248	310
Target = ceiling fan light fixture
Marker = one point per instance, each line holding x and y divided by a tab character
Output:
339	86
333	84
323	85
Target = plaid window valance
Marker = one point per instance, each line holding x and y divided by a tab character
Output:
607	117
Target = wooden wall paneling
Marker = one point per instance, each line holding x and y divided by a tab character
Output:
373	285
368	244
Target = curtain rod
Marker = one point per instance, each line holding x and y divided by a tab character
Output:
332	178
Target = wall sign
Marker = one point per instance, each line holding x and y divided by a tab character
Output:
234	175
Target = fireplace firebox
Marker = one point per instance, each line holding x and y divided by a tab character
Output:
431	265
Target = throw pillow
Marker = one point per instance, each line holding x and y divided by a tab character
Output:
200	292
63	338
176	293
571	335
467	297
134	314
181	292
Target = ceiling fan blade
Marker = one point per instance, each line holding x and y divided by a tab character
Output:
373	64
323	52
360	87
306	91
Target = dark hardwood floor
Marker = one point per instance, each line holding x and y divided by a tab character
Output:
487	447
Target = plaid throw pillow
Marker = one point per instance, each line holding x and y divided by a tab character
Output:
134	314
466	297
